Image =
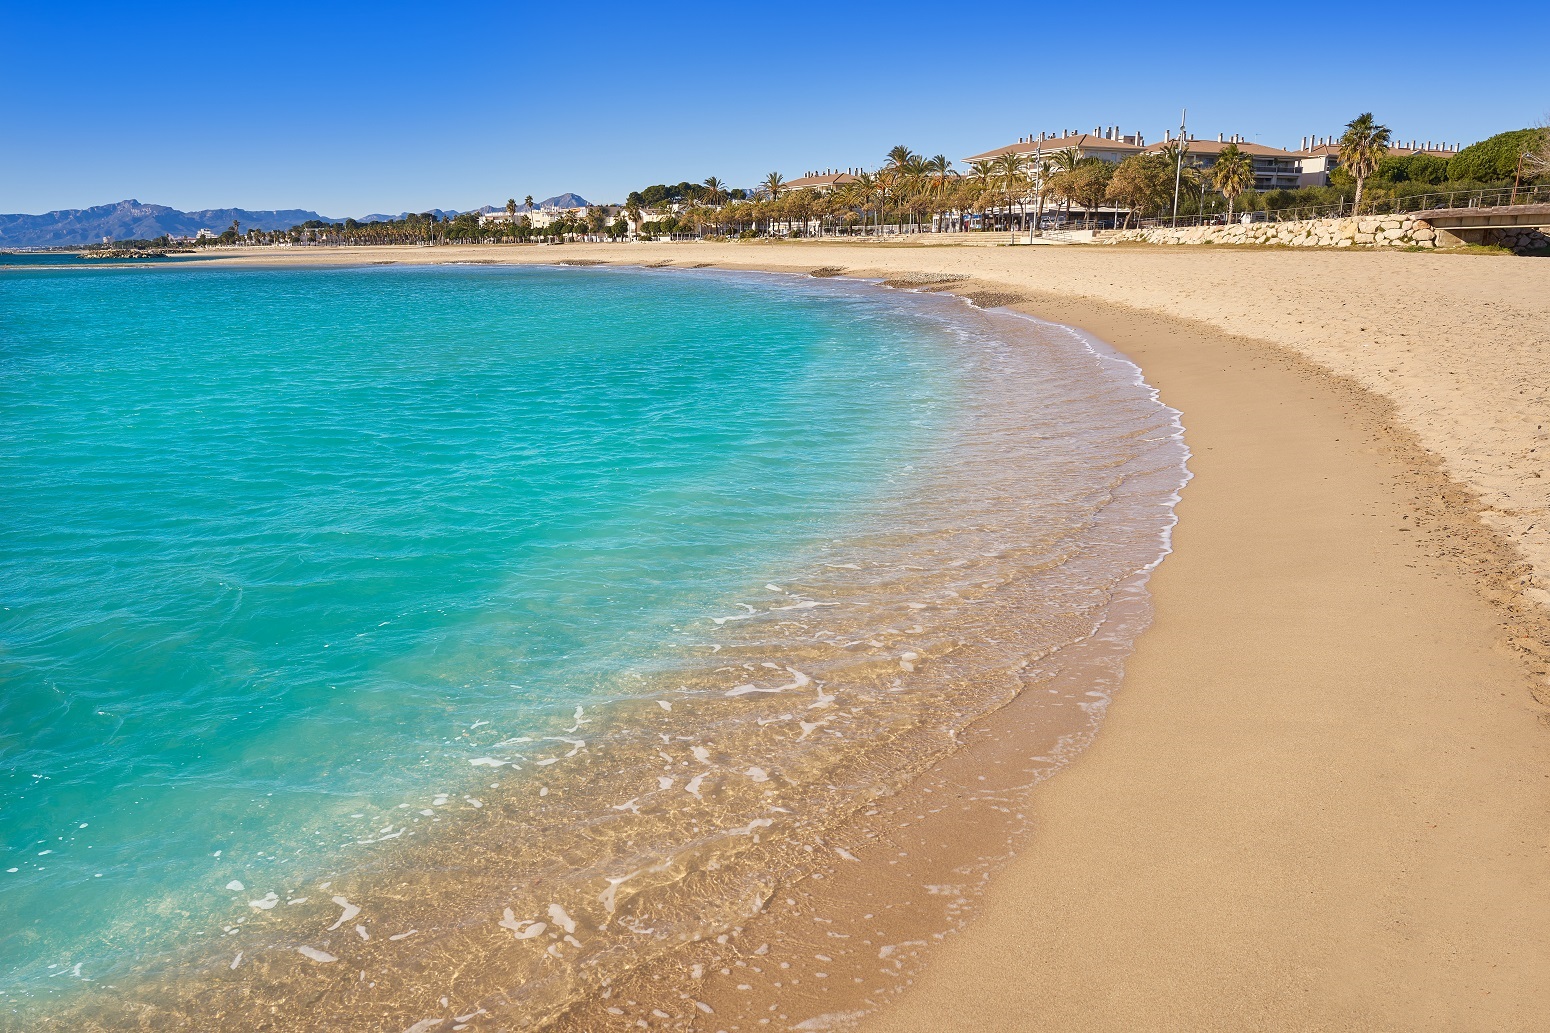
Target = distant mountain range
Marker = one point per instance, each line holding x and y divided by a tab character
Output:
131	220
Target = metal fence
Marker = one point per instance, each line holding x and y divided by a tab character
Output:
1486	197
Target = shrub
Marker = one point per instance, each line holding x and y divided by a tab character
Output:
1412	168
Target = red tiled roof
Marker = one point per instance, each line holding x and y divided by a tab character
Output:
1084	142
1253	150
829	180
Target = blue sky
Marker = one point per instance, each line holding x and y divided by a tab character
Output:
350	108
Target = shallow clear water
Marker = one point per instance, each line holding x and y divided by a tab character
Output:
436	599
273	540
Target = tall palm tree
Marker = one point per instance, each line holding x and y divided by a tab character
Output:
716	190
1040	171
527	202
867	189
1361	149
774	184
941	172
1232	174
1064	163
511	214
1011	171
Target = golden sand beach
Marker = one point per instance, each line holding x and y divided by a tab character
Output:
1319	801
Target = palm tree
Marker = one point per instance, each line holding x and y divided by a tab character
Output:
511	213
1011	171
941	172
716	190
1040	173
1361	149
1063	163
527	202
867	188
774	184
1232	174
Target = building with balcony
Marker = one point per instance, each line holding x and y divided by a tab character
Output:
1106	143
1274	168
823	182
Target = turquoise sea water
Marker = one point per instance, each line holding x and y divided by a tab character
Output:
272	541
508	633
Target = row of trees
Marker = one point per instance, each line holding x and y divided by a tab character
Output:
1011	191
1014	190
427	228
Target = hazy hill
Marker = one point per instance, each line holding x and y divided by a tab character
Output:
566	200
131	220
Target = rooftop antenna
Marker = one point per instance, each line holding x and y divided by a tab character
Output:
1178	167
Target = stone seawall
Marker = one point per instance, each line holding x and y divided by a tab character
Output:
1521	238
1369	231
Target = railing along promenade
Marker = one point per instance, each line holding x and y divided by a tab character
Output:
1486	197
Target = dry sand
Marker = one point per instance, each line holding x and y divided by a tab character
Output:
1320	801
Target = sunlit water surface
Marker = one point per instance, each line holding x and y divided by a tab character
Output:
376	609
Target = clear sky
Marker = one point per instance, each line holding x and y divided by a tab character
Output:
352	108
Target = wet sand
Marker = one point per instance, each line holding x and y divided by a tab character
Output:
1319	801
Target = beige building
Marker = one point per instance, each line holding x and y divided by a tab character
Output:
1106	143
1323	155
823	182
1274	167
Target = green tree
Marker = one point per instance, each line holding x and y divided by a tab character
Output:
1361	149
1143	183
774	184
940	169
1233	173
1089	185
1494	159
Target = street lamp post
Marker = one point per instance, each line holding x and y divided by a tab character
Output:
1178	166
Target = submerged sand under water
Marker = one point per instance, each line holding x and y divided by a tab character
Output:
596	877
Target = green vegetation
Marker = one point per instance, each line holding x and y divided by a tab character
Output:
1496	159
1233	174
1412	168
1363	146
662	193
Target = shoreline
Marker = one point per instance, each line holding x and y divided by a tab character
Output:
1357	838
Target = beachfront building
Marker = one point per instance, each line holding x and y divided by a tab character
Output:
1322	156
1106	143
538	218
1274	168
823	182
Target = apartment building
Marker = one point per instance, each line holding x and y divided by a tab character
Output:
1274	167
823	182
1104	142
1323	155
